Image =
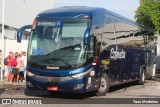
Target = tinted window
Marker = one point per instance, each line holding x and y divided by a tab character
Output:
98	20
108	37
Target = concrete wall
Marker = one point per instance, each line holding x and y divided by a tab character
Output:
12	45
10	41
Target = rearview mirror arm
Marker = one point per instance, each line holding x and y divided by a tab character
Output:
20	32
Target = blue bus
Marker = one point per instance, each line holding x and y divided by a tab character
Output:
86	49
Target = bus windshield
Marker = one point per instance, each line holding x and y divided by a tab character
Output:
58	43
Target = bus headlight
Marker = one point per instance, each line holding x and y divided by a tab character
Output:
80	75
30	74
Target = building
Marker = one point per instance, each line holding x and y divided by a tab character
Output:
10	40
18	13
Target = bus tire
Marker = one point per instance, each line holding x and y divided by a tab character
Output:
103	85
28	92
142	77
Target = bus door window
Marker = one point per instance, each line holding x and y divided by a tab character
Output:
105	58
93	54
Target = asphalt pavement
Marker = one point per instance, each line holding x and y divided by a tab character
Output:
123	93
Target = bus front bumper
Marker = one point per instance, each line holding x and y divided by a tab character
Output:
62	84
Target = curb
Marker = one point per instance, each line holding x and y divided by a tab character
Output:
5	84
14	84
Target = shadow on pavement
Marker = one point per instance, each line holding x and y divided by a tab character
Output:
2	90
46	94
122	87
156	77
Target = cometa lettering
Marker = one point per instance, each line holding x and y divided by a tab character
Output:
117	54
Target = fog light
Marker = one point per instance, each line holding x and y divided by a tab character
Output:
30	74
29	84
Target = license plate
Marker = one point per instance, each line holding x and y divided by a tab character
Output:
52	88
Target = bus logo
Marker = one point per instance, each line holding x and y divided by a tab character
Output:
117	54
48	67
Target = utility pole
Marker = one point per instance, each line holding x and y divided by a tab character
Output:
2	41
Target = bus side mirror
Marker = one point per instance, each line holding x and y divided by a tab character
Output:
88	33
20	32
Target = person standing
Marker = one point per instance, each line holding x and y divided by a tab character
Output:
17	63
12	74
19	68
24	59
9	61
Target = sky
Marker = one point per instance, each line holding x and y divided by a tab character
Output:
125	8
22	12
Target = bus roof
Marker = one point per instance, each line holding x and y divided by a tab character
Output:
81	12
75	11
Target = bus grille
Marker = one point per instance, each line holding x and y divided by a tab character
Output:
52	79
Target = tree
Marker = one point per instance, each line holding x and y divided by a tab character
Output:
148	14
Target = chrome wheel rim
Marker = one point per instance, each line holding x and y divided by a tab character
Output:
103	84
143	77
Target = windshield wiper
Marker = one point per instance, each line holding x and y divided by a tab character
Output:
58	59
50	53
51	60
35	62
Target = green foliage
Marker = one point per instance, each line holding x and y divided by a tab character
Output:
148	14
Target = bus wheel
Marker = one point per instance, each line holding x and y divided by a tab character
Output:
103	86
29	92
142	79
